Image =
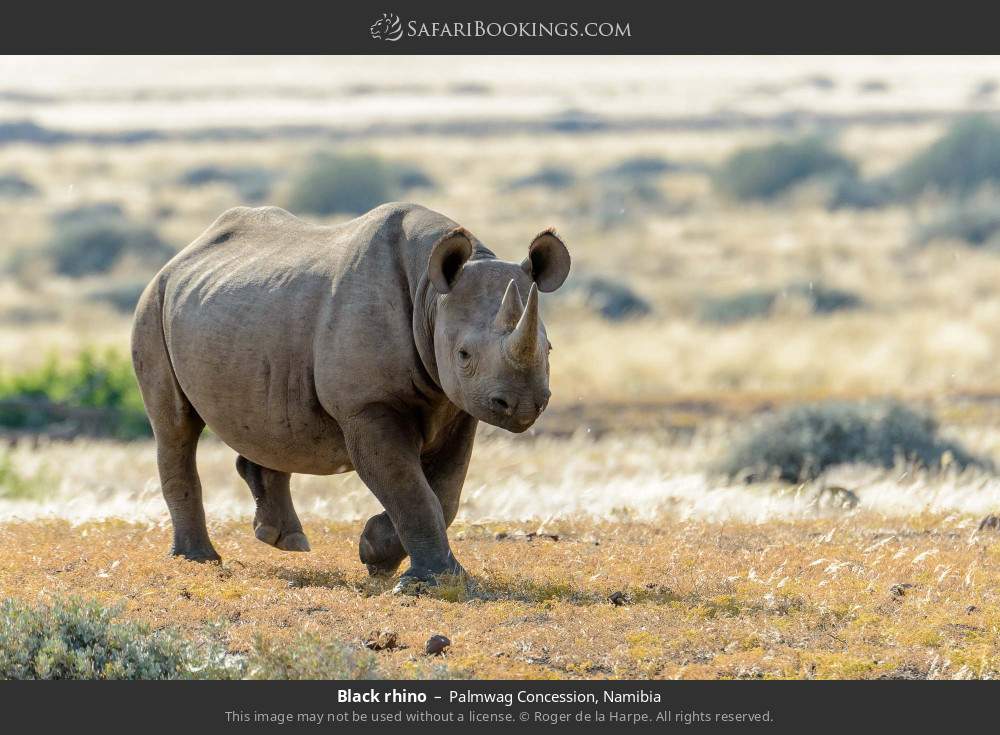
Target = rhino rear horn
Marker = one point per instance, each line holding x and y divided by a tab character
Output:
510	310
522	343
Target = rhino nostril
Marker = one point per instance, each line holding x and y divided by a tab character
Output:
499	404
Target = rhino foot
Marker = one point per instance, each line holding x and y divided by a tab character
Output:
415	583
275	522
379	547
293	542
196	552
270	535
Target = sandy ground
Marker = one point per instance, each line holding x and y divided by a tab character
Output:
862	596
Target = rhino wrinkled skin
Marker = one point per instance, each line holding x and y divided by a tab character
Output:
375	345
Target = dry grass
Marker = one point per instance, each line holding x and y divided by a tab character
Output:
866	597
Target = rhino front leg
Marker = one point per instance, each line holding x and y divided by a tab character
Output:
275	521
385	451
380	548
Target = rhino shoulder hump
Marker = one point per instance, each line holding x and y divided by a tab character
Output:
240	219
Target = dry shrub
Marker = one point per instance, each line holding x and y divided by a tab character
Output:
799	443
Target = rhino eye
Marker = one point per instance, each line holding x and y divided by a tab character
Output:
463	354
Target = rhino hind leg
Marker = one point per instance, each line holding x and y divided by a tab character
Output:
380	548
176	428
275	521
175	456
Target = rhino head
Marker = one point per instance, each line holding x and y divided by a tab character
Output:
490	346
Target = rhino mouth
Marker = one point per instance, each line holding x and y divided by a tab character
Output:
515	422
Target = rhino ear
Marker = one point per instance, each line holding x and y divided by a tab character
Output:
547	262
448	257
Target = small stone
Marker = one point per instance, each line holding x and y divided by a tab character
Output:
618	598
382	640
898	590
971	609
436	645
500	535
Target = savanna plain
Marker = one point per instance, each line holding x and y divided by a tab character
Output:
772	443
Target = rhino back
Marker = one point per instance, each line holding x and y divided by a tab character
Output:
276	327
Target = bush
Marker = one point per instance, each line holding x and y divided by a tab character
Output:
252	183
410	176
767	171
73	639
341	184
967	157
26	131
851	192
741	307
121	297
759	303
310	657
799	443
548	177
976	223
824	299
15	186
93	239
617	202
613	300
873	86
640	166
88	213
96	395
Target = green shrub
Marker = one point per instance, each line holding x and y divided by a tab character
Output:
96	394
799	443
975	223
251	183
73	639
92	240
15	186
964	159
341	184
759	303
765	172
310	657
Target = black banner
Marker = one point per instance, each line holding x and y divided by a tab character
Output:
507	706
449	27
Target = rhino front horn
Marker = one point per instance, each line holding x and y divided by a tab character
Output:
510	309
523	341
